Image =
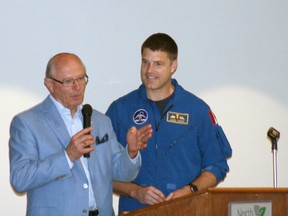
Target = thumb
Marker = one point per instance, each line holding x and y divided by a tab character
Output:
170	196
132	130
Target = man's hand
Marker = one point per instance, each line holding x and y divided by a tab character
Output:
204	181
179	193
137	139
147	195
80	143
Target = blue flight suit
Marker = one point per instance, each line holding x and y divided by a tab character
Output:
186	140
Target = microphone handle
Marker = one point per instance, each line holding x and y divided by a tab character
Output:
87	155
87	123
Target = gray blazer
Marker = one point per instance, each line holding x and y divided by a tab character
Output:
38	165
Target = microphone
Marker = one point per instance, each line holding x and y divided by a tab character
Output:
87	112
274	136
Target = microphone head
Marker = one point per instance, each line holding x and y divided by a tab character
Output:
273	134
87	110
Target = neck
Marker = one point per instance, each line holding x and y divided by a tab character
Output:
158	95
73	110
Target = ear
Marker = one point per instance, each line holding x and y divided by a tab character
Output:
174	66
48	83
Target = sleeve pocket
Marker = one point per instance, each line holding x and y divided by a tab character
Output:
224	141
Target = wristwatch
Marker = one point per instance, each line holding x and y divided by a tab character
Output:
193	187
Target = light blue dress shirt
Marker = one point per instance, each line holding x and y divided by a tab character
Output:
74	124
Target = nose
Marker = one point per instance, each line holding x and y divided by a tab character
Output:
150	68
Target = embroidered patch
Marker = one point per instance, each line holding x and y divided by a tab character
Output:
178	118
213	118
140	116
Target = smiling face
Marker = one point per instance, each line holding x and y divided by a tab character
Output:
66	66
156	74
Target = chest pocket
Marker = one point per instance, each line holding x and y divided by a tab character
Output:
183	142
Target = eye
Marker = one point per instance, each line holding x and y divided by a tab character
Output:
158	63
68	81
81	79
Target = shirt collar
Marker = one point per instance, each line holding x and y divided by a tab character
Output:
63	110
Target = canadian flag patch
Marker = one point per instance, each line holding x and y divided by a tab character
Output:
213	118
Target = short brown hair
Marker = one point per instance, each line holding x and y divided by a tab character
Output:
161	42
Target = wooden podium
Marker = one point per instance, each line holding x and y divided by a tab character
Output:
222	202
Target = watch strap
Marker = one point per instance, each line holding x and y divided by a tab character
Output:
193	187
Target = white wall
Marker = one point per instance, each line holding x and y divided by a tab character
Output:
233	54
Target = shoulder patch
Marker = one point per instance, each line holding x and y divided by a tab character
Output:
177	118
213	118
140	116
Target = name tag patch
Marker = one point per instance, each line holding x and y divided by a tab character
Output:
177	118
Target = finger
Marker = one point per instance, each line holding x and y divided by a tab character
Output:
146	138
87	148
146	134
159	194
156	199
147	127
86	143
156	194
84	132
142	146
88	138
132	130
144	129
87	130
170	196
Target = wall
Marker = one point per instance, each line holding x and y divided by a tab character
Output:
233	54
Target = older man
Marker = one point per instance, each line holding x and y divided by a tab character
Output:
47	144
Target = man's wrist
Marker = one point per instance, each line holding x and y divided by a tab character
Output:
133	189
133	156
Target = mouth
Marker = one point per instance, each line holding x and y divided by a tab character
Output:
76	96
149	77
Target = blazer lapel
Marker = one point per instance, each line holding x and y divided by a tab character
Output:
55	121
93	160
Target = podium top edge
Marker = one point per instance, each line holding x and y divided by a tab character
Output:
248	190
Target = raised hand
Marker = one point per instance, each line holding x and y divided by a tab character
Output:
137	139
